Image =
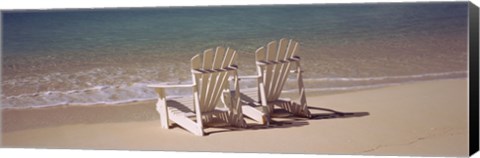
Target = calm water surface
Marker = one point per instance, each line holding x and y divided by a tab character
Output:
94	56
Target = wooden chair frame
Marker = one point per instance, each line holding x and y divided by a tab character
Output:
212	72
274	62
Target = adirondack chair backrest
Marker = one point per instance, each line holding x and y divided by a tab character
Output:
274	62
211	71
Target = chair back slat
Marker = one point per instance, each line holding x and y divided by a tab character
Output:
272	50
208	56
289	51
270	55
196	62
279	69
233	56
227	57
282	49
260	54
218	59
276	63
211	71
292	46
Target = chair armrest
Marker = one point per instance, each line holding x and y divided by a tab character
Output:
295	71
160	88
170	86
295	58
249	77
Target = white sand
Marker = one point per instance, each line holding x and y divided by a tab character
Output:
422	119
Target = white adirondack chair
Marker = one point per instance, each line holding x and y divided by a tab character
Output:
212	72
275	62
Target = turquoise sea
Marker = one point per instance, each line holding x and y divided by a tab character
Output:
91	56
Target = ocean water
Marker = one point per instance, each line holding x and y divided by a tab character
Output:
107	56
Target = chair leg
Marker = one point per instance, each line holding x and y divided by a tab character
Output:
299	109
301	91
162	108
162	111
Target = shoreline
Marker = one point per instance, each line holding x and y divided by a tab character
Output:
368	83
426	118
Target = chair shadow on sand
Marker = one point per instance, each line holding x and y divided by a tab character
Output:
281	118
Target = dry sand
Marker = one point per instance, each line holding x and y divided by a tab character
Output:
423	119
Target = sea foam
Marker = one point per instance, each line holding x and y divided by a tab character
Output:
117	94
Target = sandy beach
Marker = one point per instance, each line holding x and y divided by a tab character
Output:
426	118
